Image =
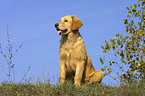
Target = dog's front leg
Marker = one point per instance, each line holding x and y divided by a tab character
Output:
62	73
79	73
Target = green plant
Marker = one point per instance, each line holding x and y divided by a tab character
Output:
128	51
8	56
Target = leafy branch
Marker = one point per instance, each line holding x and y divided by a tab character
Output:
130	49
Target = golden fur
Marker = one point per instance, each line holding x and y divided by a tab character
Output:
74	61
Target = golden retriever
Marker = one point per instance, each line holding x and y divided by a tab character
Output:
74	62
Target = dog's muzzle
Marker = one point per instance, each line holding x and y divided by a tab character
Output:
56	26
59	31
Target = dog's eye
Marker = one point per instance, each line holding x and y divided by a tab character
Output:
65	20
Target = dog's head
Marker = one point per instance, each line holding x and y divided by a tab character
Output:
68	24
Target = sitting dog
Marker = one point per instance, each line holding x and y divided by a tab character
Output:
74	62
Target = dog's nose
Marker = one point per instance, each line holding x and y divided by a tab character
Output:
56	25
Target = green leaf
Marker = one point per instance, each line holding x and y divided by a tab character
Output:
118	41
124	63
126	37
128	8
132	22
135	5
137	58
102	69
102	47
122	58
101	60
121	54
121	36
104	51
137	14
114	38
140	1
112	42
125	21
134	10
124	40
106	42
121	44
129	13
131	56
117	35
143	13
113	47
107	47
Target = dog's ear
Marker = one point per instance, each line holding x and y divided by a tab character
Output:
76	23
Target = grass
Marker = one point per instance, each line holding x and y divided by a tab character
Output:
68	89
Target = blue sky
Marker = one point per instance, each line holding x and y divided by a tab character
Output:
32	22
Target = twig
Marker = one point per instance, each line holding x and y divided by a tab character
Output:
3	69
25	75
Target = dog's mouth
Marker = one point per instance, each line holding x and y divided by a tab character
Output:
62	32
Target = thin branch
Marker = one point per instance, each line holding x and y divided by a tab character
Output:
3	69
17	49
113	59
25	75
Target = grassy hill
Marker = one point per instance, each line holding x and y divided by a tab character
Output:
68	89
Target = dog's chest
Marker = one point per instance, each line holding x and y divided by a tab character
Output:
70	64
67	56
71	53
